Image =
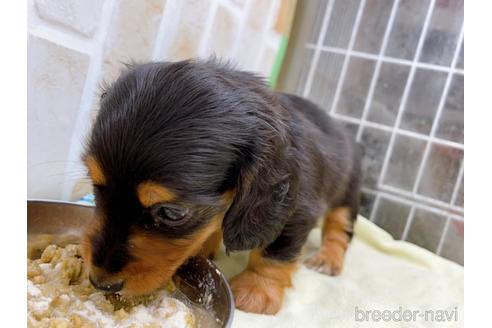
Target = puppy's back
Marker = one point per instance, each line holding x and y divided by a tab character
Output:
341	155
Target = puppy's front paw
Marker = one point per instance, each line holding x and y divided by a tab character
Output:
329	263
256	293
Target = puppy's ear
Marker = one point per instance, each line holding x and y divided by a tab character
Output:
265	195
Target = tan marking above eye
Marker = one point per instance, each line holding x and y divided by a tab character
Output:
95	171
151	193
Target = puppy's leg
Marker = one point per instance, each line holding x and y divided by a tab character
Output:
338	229
261	287
211	247
336	235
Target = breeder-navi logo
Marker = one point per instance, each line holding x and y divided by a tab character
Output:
401	315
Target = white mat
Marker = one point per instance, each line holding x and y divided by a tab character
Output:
380	274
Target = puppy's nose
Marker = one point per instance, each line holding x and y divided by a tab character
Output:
106	286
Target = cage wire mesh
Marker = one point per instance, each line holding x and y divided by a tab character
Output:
393	73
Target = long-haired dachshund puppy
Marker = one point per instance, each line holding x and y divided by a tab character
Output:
184	155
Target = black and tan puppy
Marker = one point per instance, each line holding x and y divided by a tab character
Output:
183	155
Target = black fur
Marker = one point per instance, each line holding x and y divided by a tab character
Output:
201	129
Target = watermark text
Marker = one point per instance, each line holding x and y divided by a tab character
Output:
406	315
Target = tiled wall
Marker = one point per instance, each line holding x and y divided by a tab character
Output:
392	72
75	45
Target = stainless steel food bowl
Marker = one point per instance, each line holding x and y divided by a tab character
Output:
199	279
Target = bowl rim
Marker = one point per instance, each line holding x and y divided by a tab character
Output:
229	295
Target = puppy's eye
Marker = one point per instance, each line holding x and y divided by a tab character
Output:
169	215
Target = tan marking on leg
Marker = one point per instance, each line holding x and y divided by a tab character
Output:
330	257
260	288
95	171
151	193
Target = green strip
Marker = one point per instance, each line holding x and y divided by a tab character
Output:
277	65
